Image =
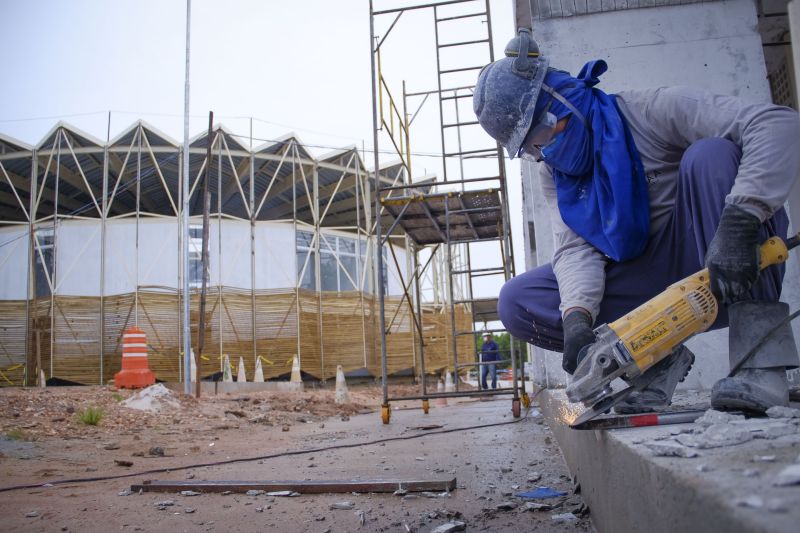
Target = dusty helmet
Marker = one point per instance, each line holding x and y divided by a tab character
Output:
506	92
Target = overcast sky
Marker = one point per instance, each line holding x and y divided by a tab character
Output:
298	66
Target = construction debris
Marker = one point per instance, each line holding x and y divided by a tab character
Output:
788	476
450	527
670	449
155	398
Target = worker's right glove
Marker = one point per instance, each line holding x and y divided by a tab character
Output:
733	255
577	334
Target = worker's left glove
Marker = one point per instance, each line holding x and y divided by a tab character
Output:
577	335
733	255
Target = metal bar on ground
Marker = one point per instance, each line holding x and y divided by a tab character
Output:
303	487
457	394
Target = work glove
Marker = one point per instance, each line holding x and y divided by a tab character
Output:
733	255
577	334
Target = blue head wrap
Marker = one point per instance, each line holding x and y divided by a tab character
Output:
598	173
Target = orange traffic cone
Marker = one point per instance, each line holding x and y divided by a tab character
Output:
135	373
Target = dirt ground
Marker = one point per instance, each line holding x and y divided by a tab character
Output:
43	441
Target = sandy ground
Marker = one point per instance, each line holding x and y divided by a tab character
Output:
43	441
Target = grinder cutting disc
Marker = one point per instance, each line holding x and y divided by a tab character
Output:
603	406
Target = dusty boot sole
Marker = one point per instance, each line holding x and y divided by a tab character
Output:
729	395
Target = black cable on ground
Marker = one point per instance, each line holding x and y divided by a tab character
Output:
262	457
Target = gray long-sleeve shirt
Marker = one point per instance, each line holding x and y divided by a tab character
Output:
664	122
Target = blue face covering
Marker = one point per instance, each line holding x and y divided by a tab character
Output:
598	173
571	151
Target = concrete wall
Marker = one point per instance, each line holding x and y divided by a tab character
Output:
713	45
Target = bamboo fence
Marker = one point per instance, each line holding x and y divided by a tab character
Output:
324	329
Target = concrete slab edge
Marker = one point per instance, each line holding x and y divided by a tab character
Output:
627	489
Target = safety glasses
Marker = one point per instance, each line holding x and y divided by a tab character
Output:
543	132
539	136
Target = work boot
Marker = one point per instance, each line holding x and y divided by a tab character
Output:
751	389
760	381
658	394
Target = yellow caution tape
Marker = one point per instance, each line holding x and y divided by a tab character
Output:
270	363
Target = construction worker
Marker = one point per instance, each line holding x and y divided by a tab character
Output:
645	187
489	352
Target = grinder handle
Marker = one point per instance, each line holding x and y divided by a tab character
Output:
774	251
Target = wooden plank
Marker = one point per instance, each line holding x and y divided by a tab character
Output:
303	487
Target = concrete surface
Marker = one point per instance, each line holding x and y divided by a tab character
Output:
724	489
490	464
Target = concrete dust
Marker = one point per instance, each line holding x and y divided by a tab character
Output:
45	442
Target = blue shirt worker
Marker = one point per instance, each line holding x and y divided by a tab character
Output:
489	352
643	188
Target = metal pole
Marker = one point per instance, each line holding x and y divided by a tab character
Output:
522	14
252	247
220	302
103	248
204	257
378	250
55	254
439	88
136	239
449	265
31	280
418	294
187	341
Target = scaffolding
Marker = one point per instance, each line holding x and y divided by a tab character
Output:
448	218
90	241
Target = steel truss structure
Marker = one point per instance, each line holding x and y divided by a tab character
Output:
447	218
86	225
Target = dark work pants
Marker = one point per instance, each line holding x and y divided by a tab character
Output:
528	304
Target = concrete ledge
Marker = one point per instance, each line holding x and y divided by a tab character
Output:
628	489
221	387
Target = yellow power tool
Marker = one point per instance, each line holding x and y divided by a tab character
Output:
626	348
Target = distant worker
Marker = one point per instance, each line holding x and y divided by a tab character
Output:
489	352
644	188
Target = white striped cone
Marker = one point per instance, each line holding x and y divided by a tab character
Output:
441	402
227	373
296	378
449	386
193	366
241	377
258	376
342	396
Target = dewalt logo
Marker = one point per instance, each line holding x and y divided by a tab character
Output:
648	337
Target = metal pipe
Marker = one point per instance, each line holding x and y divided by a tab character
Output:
439	87
421	6
187	341
252	245
463	393
30	271
103	215
55	253
136	239
378	249
204	257
418	295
